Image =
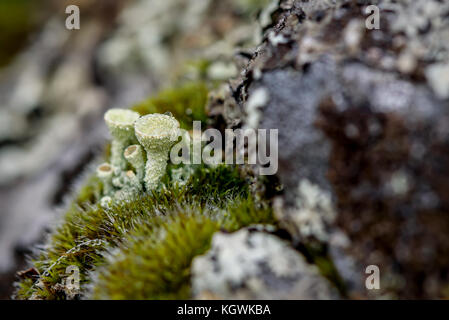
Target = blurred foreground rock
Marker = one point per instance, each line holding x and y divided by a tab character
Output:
251	264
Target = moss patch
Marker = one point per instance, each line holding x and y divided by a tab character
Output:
186	103
15	25
155	261
212	199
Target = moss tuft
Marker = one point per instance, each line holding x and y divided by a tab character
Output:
90	193
217	197
155	262
187	103
246	212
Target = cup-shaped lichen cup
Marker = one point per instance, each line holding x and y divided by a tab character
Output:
104	172
134	154
121	126
156	133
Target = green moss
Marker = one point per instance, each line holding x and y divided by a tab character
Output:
155	262
187	103
15	25
24	287
217	197
90	193
246	212
319	256
216	186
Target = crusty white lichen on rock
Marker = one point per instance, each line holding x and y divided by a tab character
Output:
253	264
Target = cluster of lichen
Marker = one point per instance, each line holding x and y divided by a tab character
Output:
142	247
186	215
141	142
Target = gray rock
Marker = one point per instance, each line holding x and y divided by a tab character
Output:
363	141
251	264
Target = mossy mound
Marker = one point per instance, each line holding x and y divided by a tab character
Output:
186	103
187	216
155	261
150	239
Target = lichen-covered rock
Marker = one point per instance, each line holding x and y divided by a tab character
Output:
251	264
362	117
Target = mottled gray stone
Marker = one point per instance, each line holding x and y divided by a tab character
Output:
250	264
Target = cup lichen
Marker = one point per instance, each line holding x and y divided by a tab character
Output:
105	173
156	133
135	156
144	143
121	126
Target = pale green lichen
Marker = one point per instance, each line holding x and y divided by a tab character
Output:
131	187
105	173
156	133
134	181
105	201
135	156
121	126
182	174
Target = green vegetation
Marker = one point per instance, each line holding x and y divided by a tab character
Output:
186	103
155	261
187	216
15	24
142	247
154	235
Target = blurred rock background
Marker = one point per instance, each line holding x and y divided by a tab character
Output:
55	85
364	118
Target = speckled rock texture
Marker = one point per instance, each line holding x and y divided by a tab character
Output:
252	264
363	118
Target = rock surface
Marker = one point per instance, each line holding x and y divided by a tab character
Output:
251	264
362	117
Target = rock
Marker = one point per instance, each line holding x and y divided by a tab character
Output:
251	264
363	139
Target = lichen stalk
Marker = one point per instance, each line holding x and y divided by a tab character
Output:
121	126
156	133
105	173
134	154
